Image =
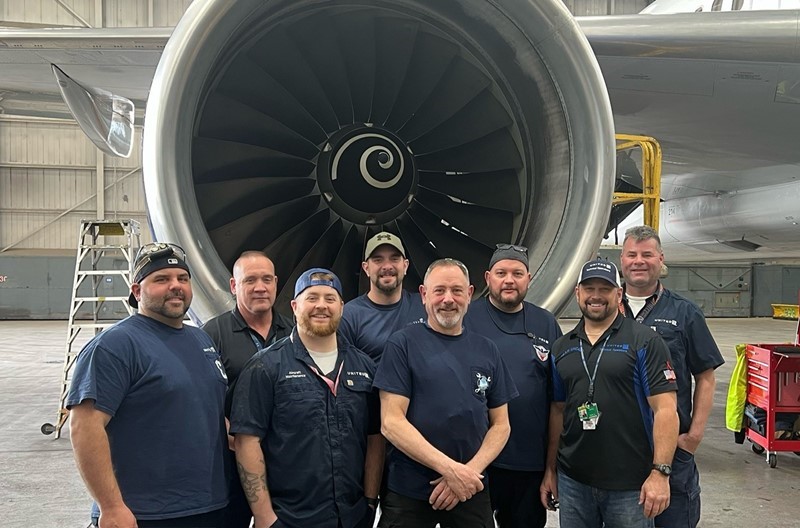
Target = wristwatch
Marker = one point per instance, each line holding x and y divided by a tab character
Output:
664	469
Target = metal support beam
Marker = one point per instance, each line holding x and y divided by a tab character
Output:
100	184
72	12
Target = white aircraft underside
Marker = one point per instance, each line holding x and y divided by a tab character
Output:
719	91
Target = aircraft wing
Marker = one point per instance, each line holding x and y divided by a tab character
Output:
721	93
119	60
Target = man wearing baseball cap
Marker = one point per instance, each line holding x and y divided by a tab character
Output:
613	420
371	318
306	420
146	406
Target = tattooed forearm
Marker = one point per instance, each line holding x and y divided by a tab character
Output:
252	483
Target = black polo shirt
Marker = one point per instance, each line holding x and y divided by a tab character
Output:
634	365
314	442
236	342
682	325
524	339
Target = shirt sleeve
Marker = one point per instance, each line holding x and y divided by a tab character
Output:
502	389
702	351
393	373
654	365
373	413
100	375
559	392
253	399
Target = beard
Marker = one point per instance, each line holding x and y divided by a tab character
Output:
390	287
319	329
448	319
161	306
507	302
609	311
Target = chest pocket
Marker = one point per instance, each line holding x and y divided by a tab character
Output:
298	401
216	364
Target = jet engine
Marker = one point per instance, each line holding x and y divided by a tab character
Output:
304	127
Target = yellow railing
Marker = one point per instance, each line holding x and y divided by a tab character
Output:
651	176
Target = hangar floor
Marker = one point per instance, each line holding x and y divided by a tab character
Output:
41	487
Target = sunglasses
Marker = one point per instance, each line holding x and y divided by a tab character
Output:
156	250
520	249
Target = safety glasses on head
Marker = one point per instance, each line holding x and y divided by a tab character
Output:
521	249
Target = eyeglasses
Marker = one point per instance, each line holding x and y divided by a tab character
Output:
520	249
156	250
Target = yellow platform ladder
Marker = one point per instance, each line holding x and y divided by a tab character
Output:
106	250
651	176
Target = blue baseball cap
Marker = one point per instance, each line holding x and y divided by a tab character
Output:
305	281
600	269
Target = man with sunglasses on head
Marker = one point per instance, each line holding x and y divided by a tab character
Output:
146	406
252	325
524	334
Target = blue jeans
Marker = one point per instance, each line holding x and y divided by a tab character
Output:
684	487
583	506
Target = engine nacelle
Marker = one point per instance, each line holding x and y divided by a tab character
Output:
303	127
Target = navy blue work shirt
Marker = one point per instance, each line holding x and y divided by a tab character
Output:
314	442
451	382
682	326
524	339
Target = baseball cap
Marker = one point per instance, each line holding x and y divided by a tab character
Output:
305	281
381	239
509	252
153	257
600	269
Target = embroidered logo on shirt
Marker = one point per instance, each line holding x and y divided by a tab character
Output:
669	373
295	374
541	352
482	383
672	322
221	369
357	373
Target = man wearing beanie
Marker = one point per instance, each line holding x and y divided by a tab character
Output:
614	420
524	334
306	421
146	406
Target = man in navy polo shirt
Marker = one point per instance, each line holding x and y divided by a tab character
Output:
613	421
370	319
444	406
146	408
305	421
524	334
694	355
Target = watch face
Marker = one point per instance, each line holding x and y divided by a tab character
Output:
663	468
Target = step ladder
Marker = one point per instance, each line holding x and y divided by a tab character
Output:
106	251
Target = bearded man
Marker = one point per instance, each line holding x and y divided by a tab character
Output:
524	334
305	421
444	406
370	319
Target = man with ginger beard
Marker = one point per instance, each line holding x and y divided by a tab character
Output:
524	334
305	421
613	420
370	319
444	394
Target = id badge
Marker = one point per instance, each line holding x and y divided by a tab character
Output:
589	415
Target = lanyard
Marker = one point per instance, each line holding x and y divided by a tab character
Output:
257	342
648	307
593	375
332	385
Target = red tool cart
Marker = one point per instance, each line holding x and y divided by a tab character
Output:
773	385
